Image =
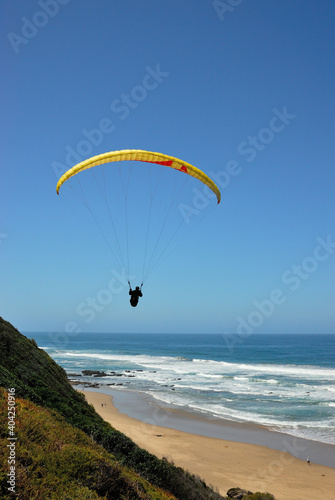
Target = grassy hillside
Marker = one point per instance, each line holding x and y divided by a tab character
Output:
54	460
37	377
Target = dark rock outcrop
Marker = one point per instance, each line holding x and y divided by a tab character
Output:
238	493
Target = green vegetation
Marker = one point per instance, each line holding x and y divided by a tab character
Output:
239	494
54	460
67	451
38	378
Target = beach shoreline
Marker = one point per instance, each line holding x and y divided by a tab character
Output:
222	461
145	408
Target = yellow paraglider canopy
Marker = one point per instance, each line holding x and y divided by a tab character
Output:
145	156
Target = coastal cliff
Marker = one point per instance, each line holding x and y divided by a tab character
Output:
61	448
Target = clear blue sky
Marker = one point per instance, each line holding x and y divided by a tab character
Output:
245	90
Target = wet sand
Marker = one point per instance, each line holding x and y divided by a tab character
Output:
222	463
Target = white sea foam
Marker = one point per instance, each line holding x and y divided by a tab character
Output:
314	430
285	397
236	379
271	381
213	368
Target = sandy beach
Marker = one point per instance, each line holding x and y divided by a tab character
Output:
221	463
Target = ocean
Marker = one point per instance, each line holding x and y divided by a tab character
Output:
283	382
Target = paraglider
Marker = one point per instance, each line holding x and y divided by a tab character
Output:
114	197
135	294
145	156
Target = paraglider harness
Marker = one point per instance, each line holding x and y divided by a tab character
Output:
135	294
